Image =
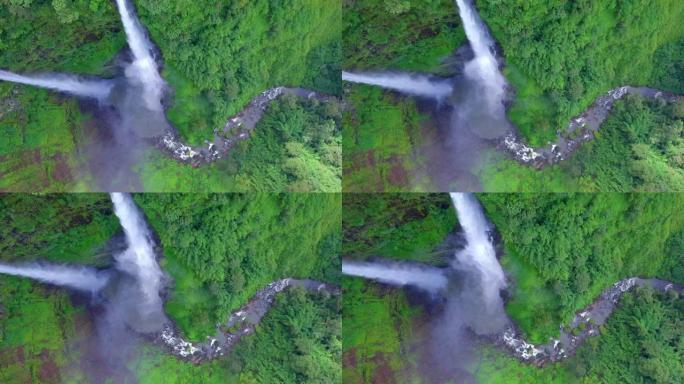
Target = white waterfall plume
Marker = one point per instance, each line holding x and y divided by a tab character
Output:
483	68
79	278
395	273
478	260
97	89
139	258
143	69
412	84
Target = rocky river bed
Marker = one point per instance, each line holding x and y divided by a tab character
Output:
585	324
580	129
239	323
237	128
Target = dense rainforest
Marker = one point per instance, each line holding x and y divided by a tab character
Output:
570	53
215	58
559	252
218	251
557	57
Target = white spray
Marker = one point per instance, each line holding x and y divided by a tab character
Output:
483	69
426	278
79	278
412	84
97	89
138	259
143	69
479	255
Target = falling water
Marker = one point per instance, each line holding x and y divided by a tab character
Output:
478	259
139	258
143	69
483	68
427	278
80	278
97	89
413	84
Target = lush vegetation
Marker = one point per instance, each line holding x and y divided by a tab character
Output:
381	131
223	54
222	248
299	341
638	344
378	322
563	250
218	249
379	134
217	57
639	148
567	54
60	228
295	147
378	327
398	226
396	34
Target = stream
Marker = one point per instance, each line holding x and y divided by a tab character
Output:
580	129
585	324
241	322
238	128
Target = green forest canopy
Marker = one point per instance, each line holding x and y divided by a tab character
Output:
565	54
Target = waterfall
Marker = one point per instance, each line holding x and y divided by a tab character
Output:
138	259
478	258
143	69
97	89
79	278
412	84
427	278
483	68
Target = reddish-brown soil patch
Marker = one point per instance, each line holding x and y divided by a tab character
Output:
11	356
397	175
383	373
61	172
49	372
349	358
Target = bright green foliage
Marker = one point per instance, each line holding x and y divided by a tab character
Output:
33	158
640	147
35	328
668	71
400	34
300	341
58	35
641	343
397	226
295	147
563	250
380	131
378	326
575	51
221	249
59	228
378	139
379	323
230	51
